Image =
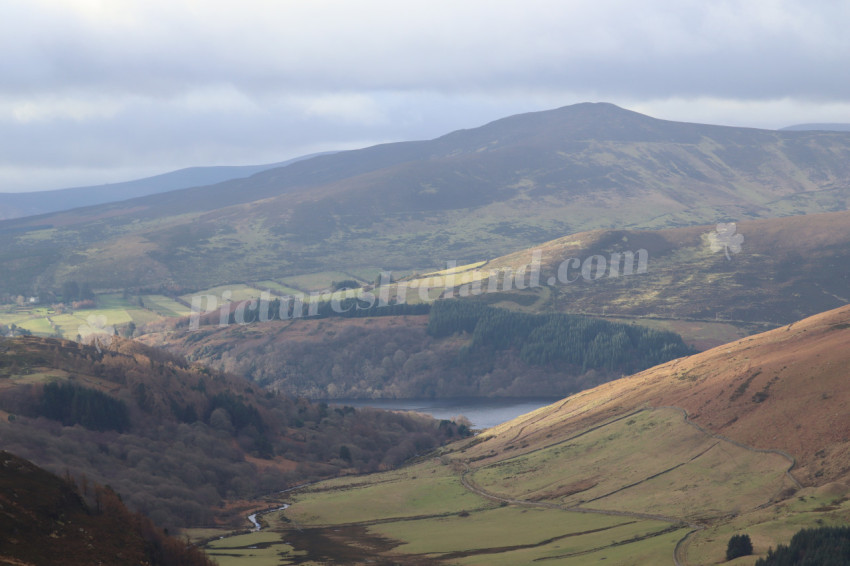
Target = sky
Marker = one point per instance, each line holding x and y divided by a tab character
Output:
96	92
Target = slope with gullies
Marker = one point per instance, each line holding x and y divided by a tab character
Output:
786	389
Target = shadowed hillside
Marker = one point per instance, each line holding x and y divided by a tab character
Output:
46	520
460	349
183	444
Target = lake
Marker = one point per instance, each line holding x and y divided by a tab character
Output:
482	412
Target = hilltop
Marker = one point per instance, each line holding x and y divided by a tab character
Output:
471	194
824	127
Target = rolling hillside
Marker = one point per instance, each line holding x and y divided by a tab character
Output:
782	270
763	391
661	467
183	444
785	269
468	195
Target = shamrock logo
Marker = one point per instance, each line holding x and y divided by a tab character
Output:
96	332
725	238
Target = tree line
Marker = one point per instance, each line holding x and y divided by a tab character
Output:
72	404
583	342
824	546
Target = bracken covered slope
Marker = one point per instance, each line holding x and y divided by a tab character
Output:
786	389
45	521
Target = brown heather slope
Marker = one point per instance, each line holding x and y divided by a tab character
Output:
44	520
786	389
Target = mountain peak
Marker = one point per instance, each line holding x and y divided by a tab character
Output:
598	121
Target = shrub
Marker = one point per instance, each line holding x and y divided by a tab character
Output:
739	545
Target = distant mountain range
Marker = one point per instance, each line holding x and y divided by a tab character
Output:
818	127
17	205
471	194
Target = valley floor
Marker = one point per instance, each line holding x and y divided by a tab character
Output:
646	488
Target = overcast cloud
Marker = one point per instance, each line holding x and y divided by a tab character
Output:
103	91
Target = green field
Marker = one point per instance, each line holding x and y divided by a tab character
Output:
116	301
427	489
545	533
316	281
258	549
112	310
165	306
276	287
428	514
699	475
227	293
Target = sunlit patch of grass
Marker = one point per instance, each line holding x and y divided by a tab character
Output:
165	306
225	293
257	549
425	489
626	464
779	522
639	544
315	281
515	526
37	326
456	269
276	287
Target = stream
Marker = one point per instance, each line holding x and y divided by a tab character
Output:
253	516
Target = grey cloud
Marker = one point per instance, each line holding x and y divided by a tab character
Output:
104	85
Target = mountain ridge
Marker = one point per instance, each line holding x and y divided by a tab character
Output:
472	193
36	203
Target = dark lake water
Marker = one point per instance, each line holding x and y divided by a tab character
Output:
483	413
